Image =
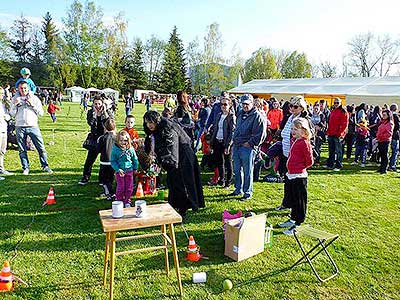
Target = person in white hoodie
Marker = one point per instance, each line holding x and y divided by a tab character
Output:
26	108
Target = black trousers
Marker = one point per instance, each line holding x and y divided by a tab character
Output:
297	197
90	159
222	162
383	154
106	177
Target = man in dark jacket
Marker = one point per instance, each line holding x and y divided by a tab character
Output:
250	132
337	128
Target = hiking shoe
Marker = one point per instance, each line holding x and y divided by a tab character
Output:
281	208
290	230
47	170
288	224
25	172
83	181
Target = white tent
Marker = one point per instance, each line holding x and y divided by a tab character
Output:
74	93
110	92
373	90
92	90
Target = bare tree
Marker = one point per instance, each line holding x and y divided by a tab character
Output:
154	52
370	55
21	41
327	69
388	54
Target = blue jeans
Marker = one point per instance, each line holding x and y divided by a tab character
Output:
243	166
199	133
395	151
335	158
36	137
361	152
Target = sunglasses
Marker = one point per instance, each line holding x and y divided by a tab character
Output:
246	104
336	103
294	106
224	104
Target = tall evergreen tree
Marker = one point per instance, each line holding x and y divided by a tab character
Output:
21	42
133	68
173	77
51	34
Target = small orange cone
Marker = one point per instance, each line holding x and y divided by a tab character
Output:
6	278
50	197
193	251
139	190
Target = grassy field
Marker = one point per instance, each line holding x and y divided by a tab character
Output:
59	249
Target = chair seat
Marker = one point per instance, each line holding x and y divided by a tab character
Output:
307	230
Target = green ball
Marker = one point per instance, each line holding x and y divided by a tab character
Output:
227	285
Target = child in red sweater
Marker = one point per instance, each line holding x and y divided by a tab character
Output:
299	160
51	109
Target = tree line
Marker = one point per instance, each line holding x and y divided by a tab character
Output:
87	53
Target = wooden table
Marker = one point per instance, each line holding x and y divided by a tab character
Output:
156	215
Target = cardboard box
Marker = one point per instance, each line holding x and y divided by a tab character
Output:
245	237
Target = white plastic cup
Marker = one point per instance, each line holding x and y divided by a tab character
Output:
200	277
117	209
140	208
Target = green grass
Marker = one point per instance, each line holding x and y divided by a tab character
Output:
60	254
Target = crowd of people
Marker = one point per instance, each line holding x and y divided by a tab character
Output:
239	136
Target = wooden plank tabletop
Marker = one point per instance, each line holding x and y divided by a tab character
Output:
156	214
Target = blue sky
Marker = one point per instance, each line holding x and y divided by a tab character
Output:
321	28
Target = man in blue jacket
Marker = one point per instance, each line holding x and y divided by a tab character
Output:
250	132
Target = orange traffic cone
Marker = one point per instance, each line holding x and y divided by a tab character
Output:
193	251
6	278
50	197
139	190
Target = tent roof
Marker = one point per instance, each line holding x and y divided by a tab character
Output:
76	88
92	89
361	86
109	90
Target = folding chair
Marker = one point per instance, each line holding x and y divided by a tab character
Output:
325	239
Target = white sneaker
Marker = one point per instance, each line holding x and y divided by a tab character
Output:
336	169
362	165
2	178
48	170
25	172
5	172
289	223
290	230
354	163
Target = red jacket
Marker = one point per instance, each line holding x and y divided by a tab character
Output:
275	116
52	108
385	131
300	157
338	121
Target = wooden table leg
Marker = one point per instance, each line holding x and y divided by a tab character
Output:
112	263
176	261
106	252
165	243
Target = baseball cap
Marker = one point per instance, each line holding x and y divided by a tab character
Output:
246	98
